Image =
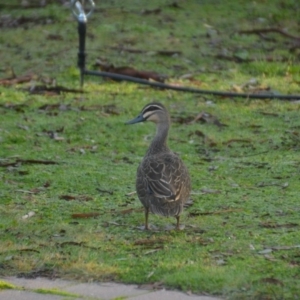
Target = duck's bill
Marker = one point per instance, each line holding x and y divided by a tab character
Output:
138	119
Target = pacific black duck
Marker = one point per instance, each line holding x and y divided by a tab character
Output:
162	182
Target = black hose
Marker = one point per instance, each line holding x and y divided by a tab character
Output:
189	89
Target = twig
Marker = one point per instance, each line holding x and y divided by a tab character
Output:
217	212
159	52
131	193
29	161
105	191
268	30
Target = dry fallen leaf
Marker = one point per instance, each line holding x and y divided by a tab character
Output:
51	90
210	191
265	251
275	225
76	197
17	79
85	215
221	262
152	286
277	248
130	210
231	141
272	281
205	117
150	242
128	71
151	273
217	212
151	11
71	243
19	161
152	251
29	215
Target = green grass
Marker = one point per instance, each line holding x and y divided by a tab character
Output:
6	285
54	292
239	242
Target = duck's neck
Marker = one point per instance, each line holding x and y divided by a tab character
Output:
159	143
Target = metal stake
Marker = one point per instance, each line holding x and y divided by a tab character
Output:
77	7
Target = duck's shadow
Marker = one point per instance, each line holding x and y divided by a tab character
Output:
182	227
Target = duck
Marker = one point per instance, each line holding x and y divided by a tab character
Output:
163	182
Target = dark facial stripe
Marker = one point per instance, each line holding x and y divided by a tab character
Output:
151	108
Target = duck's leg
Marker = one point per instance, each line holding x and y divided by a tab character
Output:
177	224
146	218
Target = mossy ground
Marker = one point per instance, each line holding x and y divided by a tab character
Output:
241	236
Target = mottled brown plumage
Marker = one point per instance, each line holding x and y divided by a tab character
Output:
163	182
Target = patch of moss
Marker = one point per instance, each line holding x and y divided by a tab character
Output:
54	292
5	285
